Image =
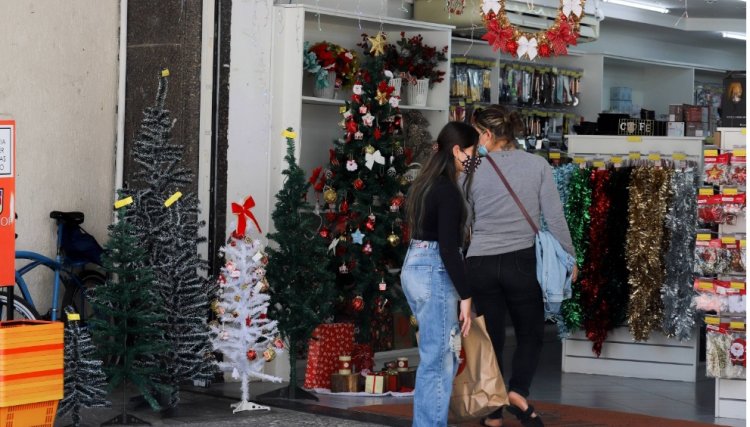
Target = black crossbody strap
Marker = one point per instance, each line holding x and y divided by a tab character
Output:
513	194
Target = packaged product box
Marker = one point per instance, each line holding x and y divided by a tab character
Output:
675	128
344	383
676	112
694	129
692	113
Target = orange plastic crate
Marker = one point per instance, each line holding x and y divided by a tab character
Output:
31	372
40	414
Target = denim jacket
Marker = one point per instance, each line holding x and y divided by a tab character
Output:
554	269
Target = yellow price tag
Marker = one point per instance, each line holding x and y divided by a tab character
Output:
74	316
710	153
729	191
737	285
554	155
742	243
634	139
739	152
599	164
615	159
729	239
703	237
679	156
711	320
654	156
736	325
579	160
743	131
165	72
705	285
289	134
123	202
706	191
633	155
173	198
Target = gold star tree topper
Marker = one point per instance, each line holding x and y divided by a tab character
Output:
378	44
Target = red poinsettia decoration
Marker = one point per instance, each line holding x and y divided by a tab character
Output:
562	36
544	50
496	36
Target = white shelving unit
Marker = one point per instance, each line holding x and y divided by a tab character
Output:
315	119
660	357
730	394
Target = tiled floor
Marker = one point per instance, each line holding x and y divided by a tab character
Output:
670	399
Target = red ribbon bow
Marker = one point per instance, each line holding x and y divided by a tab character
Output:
243	212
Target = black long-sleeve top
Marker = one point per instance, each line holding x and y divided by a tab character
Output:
442	223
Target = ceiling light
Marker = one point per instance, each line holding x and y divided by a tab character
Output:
639	5
738	36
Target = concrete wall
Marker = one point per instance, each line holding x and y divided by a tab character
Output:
58	80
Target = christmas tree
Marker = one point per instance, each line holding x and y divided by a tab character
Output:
132	306
302	285
85	381
166	220
243	333
363	189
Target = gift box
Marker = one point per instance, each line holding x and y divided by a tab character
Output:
391	382
374	382
327	343
692	113
407	379
363	357
676	129
342	383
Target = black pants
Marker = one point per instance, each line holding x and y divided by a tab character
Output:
508	282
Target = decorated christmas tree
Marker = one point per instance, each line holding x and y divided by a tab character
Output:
166	220
363	190
302	289
243	332
132	307
85	381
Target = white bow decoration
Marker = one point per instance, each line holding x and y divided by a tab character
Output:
373	158
491	5
573	6
527	47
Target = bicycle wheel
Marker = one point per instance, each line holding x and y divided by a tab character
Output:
78	293
23	310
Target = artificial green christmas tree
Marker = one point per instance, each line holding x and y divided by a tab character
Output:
363	189
165	216
85	380
130	308
301	285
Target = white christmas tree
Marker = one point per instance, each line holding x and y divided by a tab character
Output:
243	333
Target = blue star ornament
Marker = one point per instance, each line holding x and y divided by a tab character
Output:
357	237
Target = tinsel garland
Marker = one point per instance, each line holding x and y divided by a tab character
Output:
577	216
649	197
595	307
677	293
617	290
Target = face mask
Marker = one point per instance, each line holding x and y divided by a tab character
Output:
470	164
482	151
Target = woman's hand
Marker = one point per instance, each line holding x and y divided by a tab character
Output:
465	316
574	274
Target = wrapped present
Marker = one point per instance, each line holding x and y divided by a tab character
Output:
391	381
327	343
374	382
407	379
341	383
363	357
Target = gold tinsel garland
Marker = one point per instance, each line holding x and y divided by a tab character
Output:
502	34
645	244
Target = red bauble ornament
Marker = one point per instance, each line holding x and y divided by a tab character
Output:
344	207
330	216
358	303
324	233
377	134
278	343
251	355
358	184
511	47
545	51
370	224
367	248
351	126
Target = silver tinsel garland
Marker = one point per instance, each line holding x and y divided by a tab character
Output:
677	292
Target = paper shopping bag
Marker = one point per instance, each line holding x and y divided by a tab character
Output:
478	389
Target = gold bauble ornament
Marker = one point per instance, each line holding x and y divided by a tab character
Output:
264	285
413	320
370	149
269	354
393	239
404	181
237	298
330	195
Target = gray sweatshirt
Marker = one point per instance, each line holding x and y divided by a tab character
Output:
498	226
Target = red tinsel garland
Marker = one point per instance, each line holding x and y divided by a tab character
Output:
594	304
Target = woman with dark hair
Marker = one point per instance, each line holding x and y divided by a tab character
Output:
501	260
433	275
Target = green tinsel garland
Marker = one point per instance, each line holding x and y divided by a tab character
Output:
577	216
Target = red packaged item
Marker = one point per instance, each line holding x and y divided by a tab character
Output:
710	256
327	343
391	381
733	204
363	357
710	209
731	246
716	167
738	168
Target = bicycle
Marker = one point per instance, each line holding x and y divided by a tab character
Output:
76	251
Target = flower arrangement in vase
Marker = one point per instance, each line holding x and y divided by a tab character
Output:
332	65
415	60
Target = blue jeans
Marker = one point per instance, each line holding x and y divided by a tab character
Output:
434	301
